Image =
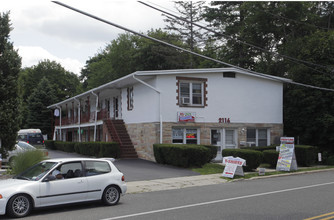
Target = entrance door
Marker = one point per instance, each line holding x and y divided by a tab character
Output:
223	138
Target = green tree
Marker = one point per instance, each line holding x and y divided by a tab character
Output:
191	35
10	64
39	116
130	53
290	39
64	84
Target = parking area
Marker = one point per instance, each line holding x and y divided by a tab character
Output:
137	169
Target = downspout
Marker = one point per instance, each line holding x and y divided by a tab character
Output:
96	105
79	118
159	92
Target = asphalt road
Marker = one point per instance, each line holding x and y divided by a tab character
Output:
286	197
137	169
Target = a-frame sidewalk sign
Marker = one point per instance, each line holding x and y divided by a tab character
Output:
287	157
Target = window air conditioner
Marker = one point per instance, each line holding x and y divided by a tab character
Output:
185	100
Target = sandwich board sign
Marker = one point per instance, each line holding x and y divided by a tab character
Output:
233	166
287	157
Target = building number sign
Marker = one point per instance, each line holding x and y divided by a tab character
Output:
224	120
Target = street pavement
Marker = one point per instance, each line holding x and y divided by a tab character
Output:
147	176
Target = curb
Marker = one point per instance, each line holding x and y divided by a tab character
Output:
202	180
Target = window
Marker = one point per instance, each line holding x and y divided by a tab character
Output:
258	137
185	136
97	168
191	92
229	74
130	98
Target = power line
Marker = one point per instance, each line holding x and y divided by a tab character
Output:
292	59
188	51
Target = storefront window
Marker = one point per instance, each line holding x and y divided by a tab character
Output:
191	136
185	136
257	137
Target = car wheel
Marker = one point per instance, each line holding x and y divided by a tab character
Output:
111	195
19	206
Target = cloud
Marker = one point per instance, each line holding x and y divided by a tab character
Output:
33	55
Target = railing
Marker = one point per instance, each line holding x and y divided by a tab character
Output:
85	118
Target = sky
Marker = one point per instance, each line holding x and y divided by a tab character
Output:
45	30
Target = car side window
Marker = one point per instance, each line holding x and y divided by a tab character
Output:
71	170
97	168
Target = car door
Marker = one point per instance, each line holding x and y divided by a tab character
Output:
71	188
98	177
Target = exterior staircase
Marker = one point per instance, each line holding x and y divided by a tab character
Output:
119	134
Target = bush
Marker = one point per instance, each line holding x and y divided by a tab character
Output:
305	155
260	148
98	149
330	160
181	155
50	144
213	151
64	146
253	158
26	159
270	157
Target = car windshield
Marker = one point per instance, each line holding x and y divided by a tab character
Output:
36	172
25	146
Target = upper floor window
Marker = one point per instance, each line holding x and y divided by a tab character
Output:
130	98
191	92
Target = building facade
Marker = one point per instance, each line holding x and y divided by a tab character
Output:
226	107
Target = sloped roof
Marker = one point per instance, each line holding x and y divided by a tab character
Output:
145	75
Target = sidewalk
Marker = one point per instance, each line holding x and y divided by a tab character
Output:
191	181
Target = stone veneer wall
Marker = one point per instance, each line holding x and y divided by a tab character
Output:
144	135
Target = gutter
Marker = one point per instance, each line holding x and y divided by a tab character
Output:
159	92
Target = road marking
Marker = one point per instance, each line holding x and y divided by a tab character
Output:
216	201
320	216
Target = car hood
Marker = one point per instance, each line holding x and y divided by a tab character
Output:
8	183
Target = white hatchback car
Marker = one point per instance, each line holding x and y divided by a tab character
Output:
80	180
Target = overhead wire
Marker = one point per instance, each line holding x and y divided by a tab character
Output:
292	59
188	51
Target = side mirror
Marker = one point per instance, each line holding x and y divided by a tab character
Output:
49	178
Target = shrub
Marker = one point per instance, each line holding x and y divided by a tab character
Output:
253	158
260	148
305	155
98	149
270	157
50	144
64	146
213	151
330	160
181	155
26	159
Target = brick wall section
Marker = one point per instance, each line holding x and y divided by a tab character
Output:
144	135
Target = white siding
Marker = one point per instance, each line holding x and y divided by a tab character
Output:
145	104
244	99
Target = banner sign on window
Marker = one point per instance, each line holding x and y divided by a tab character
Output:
233	166
287	157
186	116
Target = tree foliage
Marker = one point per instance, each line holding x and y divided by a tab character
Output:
10	63
130	53
290	39
38	114
61	83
